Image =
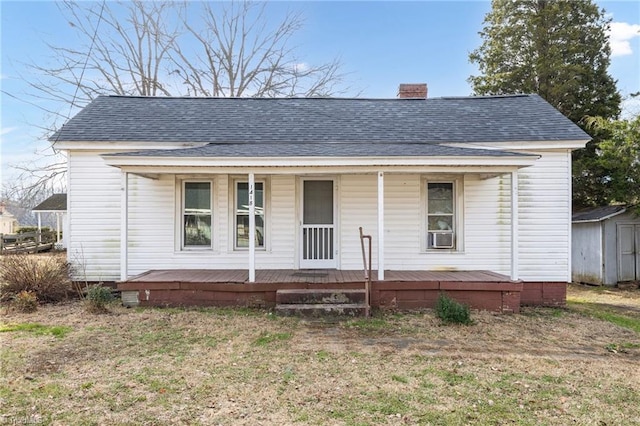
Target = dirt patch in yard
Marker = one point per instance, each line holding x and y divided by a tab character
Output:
225	366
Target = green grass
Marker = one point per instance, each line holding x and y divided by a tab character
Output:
603	313
621	347
322	355
208	367
369	324
267	338
37	329
400	379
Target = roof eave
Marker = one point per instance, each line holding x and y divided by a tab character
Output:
525	145
123	145
517	161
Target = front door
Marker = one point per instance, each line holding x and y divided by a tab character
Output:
628	246
317	248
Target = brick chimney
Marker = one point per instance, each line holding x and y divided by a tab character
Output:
412	91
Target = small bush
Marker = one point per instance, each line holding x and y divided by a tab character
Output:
25	301
452	312
98	297
45	276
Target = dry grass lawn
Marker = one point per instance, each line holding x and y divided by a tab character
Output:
63	366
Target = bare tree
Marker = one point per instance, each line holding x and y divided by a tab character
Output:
155	49
115	56
241	55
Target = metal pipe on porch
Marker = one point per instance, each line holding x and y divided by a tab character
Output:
514	225
252	229
124	227
380	226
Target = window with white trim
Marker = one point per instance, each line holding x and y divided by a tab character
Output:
197	213
441	215
241	214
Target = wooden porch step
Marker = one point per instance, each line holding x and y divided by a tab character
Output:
322	309
320	296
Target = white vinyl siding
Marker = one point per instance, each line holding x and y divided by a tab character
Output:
485	219
357	207
93	243
146	252
545	225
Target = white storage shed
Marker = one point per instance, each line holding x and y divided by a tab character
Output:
605	245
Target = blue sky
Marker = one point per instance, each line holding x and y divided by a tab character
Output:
380	44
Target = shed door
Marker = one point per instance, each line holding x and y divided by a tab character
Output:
628	259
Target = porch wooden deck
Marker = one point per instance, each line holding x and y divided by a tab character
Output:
401	289
310	276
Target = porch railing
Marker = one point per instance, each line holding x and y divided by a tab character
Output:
27	242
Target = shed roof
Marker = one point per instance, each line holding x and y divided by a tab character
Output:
512	118
597	214
57	202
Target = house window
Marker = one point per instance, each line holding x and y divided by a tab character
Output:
241	215
441	219
196	215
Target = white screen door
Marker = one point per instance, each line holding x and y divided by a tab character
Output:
318	225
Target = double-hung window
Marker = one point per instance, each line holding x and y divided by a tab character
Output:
241	214
441	215
197	213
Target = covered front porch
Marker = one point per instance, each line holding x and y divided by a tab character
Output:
440	208
399	290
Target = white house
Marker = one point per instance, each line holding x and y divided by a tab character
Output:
8	222
443	185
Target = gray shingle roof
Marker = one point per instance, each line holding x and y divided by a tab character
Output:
57	202
597	214
319	120
321	150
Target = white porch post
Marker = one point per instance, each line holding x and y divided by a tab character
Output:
124	228
57	227
252	229
39	238
514	225
380	226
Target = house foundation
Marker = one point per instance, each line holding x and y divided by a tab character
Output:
481	290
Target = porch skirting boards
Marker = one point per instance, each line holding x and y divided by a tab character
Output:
493	293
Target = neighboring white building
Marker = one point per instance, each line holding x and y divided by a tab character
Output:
56	205
455	184
606	245
8	222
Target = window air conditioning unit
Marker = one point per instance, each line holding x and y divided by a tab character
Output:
442	240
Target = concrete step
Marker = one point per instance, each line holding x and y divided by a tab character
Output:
320	296
322	309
